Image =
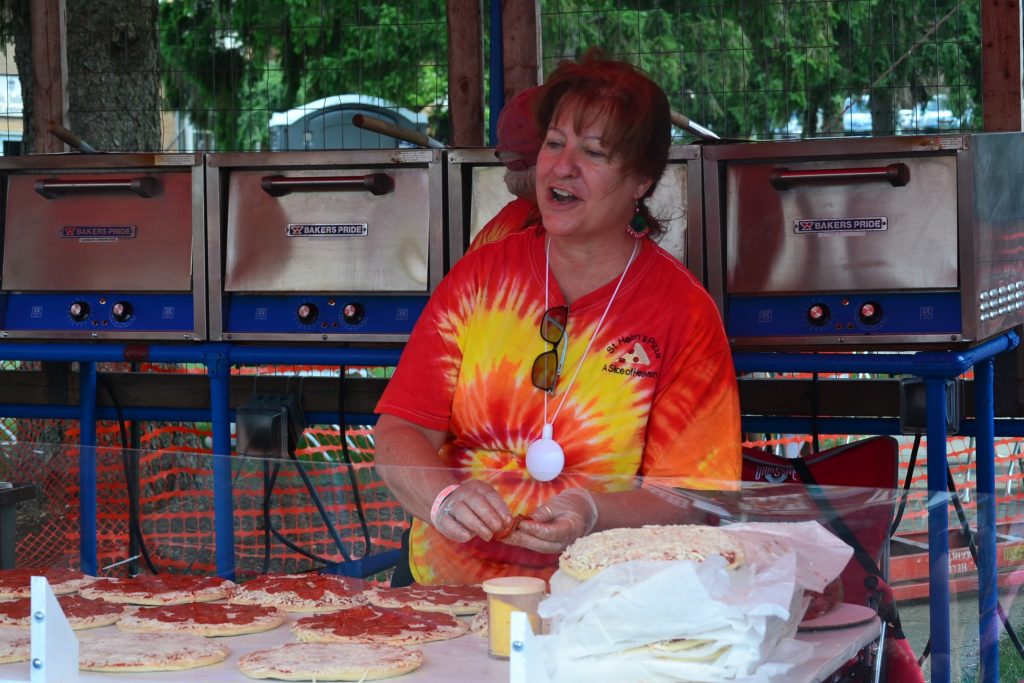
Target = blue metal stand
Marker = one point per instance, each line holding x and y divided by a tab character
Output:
935	368
218	359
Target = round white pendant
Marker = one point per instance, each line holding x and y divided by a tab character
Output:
545	458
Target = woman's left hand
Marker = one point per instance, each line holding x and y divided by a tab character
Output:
558	522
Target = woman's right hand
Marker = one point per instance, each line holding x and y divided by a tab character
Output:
473	509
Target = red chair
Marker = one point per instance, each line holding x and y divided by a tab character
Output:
853	490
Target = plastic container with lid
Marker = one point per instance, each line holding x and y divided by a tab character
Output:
506	595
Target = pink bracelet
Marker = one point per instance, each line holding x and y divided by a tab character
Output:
436	507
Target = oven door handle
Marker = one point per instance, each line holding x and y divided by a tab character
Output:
143	186
374	183
897	175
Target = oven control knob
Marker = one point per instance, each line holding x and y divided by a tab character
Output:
353	313
78	311
818	314
307	313
121	311
870	313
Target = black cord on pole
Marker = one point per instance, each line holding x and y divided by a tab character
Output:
346	456
131	475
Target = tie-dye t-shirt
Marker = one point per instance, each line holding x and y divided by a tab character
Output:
512	217
655	396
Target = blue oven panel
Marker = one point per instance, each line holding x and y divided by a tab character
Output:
322	314
109	313
846	315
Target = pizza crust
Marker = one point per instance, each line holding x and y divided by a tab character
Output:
208	619
15	646
302	592
457	600
589	555
159	589
81	613
138	652
331	662
368	624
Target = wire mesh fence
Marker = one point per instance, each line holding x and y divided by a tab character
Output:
258	75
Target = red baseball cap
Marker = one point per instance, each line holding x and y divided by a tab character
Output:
518	138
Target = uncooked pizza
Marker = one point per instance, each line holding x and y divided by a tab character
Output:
17	583
81	613
131	652
369	624
203	619
302	592
589	555
159	589
15	646
459	600
331	662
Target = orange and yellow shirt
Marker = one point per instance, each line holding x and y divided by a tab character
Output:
655	396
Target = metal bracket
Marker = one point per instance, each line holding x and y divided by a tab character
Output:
54	655
525	665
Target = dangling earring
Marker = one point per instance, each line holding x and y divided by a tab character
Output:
637	227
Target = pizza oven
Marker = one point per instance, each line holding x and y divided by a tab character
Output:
103	246
323	246
867	242
476	192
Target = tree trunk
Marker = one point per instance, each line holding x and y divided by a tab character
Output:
114	74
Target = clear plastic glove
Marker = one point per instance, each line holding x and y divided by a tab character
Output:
473	509
558	522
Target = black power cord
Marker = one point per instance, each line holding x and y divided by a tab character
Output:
131	472
347	457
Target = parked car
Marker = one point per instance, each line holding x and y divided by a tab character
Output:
327	124
935	114
857	115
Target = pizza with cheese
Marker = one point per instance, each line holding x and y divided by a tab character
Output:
369	624
15	646
203	619
479	625
159	589
302	592
458	600
589	555
136	652
81	613
330	662
17	583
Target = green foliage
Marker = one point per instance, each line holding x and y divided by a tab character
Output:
253	57
740	68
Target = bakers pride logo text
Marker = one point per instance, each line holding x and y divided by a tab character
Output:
327	230
839	225
105	232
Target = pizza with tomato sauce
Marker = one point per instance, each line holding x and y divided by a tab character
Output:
81	613
136	652
203	619
17	583
330	662
458	600
159	589
302	592
369	624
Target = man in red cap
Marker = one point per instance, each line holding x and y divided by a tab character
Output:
518	146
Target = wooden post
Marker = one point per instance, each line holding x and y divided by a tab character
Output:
521	45
49	73
466	72
1001	65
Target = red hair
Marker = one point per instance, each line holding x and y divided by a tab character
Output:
638	127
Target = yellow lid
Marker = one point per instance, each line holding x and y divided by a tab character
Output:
514	585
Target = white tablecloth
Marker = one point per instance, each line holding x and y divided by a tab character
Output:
461	659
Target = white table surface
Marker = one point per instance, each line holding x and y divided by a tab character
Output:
461	659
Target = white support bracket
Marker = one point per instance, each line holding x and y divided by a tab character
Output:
54	654
525	657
